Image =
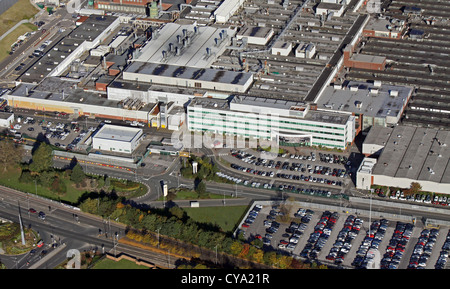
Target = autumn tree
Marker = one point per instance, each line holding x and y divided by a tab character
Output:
10	153
42	158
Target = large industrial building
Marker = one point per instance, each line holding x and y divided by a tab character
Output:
117	138
69	47
373	103
262	118
405	154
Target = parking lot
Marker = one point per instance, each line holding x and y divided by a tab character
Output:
59	131
314	173
342	239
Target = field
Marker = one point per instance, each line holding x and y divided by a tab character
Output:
10	178
226	217
19	11
5	43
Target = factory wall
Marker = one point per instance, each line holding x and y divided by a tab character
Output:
189	83
80	108
405	183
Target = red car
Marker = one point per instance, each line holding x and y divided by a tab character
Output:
40	244
31	210
245	225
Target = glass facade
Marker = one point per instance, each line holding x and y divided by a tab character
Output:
263	126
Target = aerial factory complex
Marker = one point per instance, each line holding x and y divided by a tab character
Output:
354	95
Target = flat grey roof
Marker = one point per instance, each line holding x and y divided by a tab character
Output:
5	115
416	153
191	73
71	95
211	103
266	102
378	135
360	98
313	115
117	133
254	31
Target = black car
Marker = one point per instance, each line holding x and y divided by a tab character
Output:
41	215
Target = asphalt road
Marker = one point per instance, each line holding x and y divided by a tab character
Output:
61	18
66	227
80	231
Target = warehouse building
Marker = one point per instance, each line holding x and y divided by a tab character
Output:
226	9
6	119
186	45
117	138
372	103
255	35
409	154
69	47
287	122
186	77
54	94
383	28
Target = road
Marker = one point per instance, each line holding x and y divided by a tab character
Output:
60	19
64	225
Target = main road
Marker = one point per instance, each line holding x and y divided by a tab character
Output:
69	228
65	228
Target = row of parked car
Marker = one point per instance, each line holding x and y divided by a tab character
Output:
364	256
252	216
423	249
294	166
419	198
443	255
397	244
280	187
296	230
344	240
293	177
319	237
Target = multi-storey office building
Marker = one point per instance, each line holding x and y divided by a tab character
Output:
287	122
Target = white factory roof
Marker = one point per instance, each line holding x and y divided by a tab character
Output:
373	100
118	133
189	73
192	42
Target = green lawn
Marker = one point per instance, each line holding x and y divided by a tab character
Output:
122	264
23	9
10	178
226	217
192	195
5	43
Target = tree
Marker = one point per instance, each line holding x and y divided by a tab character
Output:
201	189
77	175
10	153
41	158
414	188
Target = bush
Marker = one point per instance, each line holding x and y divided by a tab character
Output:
26	177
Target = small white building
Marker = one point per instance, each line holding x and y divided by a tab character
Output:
6	119
305	50
282	48
326	8
255	34
117	138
